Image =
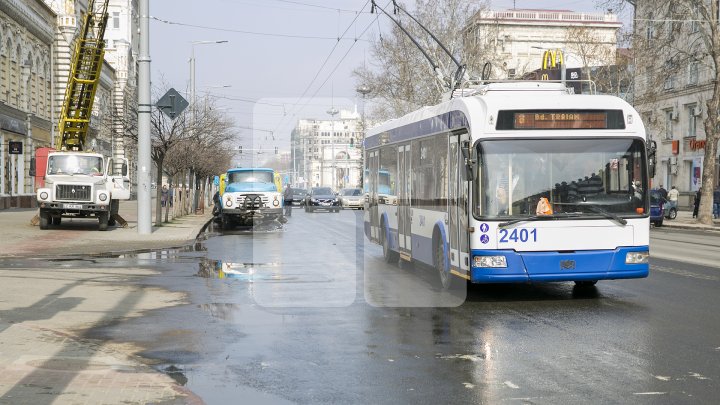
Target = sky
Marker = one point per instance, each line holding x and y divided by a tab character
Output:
282	60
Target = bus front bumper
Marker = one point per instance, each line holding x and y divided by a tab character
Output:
560	266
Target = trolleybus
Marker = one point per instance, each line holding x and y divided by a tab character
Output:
519	182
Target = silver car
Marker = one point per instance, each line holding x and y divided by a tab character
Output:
352	198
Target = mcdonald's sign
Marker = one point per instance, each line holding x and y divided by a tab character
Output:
552	59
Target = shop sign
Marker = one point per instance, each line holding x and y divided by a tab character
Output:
15	147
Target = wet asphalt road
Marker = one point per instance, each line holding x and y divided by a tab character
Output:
311	314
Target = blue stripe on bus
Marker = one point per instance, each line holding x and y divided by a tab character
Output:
545	266
444	122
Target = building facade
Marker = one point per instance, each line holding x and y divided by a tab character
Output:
672	85
517	38
328	152
26	43
36	42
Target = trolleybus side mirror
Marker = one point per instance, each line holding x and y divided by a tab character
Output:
470	159
32	167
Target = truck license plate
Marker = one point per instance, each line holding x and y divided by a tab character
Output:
72	206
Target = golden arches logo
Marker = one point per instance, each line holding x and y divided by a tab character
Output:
552	59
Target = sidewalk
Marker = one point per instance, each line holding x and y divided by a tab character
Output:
81	236
686	221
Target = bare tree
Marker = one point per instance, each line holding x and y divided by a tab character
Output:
681	39
400	77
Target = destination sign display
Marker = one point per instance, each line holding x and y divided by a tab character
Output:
560	119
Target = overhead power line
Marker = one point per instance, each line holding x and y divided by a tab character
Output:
267	34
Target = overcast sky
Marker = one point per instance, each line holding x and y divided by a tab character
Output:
275	50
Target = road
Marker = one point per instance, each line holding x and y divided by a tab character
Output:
310	313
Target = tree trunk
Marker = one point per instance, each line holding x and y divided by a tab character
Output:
158	194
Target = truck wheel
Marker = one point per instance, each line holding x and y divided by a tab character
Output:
44	219
114	209
103	218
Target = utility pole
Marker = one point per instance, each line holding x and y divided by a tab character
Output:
333	111
144	209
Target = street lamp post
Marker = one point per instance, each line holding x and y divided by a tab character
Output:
192	101
364	91
333	111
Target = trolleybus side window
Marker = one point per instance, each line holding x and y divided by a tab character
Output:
430	174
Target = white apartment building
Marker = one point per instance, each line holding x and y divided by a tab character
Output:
517	38
328	152
672	88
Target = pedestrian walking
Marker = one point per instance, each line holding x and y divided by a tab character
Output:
288	197
672	197
663	192
163	196
716	203
696	203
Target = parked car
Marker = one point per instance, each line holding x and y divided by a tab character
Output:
322	198
298	196
657	208
352	198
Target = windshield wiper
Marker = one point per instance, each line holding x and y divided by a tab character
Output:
607	214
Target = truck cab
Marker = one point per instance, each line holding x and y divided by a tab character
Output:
250	196
81	185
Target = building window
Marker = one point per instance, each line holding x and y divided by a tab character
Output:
693	73
692	121
650	30
116	19
669	82
668	124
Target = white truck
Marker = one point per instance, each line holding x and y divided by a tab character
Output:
82	185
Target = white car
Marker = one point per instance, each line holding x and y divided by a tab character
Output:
352	198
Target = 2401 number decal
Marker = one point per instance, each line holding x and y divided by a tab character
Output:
518	235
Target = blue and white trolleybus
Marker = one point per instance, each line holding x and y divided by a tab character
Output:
518	182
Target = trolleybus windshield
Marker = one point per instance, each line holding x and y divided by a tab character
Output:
578	177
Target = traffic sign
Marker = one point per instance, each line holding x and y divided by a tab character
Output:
172	103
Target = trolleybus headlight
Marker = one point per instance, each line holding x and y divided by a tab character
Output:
276	202
637	257
228	203
490	261
102	196
44	195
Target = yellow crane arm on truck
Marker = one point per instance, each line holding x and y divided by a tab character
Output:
84	79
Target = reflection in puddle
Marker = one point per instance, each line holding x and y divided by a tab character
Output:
250	272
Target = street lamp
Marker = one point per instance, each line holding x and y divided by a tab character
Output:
333	111
192	71
192	97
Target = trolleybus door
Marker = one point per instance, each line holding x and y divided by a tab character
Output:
458	205
404	210
373	162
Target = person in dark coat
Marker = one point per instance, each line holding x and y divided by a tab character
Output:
696	203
